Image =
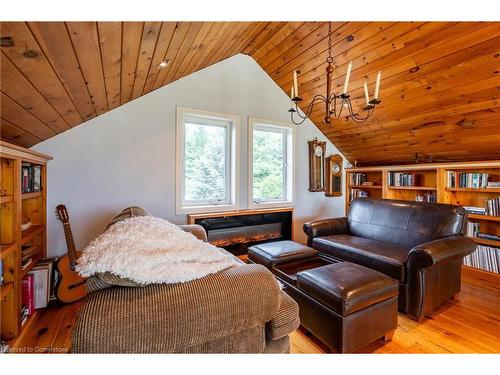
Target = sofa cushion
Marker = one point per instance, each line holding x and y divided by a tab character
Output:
404	223
346	287
285	321
128	213
385	257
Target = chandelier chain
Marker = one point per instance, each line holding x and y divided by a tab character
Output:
330	44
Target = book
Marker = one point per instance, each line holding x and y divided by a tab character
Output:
488	236
26	263
53	275
25	178
37	177
31	178
27	293
41	285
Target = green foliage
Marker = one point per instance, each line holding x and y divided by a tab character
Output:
204	163
204	169
268	165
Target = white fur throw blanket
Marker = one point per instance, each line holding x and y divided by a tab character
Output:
150	250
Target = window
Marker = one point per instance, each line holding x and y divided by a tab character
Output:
206	165
270	163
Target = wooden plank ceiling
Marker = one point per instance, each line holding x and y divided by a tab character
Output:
439	91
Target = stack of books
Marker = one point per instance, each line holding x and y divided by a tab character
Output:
467	180
426	197
485	258
31	178
475	210
37	287
403	179
357	193
28	252
357	178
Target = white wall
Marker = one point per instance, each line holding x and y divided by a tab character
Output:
127	156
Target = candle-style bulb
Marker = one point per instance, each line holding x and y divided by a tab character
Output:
347	76
367	97
377	85
295	84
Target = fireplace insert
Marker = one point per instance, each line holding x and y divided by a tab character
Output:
236	233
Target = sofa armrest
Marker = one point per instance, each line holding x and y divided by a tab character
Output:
197	230
285	321
325	227
443	250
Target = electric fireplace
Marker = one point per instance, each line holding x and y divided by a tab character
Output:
236	231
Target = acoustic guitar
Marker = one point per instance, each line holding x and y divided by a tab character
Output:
70	286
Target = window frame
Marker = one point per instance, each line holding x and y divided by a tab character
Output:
232	160
288	172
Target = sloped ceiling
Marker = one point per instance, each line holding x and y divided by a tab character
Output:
439	89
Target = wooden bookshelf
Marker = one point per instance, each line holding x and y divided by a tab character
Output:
14	206
372	176
432	178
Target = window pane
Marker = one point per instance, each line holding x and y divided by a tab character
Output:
268	165
205	162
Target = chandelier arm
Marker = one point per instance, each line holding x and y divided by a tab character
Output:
309	110
299	122
357	118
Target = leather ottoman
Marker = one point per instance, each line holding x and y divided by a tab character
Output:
345	305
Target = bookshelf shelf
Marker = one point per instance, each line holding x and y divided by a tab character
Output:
475	190
484	217
35	194
427	188
6	289
484	241
16	208
6	199
365	187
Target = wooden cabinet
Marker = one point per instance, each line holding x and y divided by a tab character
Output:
14	207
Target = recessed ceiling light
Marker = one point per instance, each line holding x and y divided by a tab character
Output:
163	64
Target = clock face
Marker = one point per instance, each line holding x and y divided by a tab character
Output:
335	168
318	151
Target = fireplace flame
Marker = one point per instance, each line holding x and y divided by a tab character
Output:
245	239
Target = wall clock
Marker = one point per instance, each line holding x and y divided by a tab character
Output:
333	176
316	165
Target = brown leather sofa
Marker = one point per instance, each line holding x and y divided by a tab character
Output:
421	245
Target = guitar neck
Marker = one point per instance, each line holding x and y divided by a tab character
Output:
70	242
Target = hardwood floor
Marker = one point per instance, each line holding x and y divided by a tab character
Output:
469	324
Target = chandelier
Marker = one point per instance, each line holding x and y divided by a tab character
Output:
334	103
